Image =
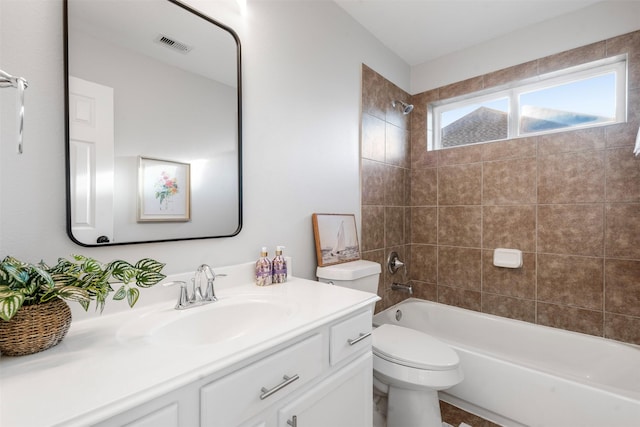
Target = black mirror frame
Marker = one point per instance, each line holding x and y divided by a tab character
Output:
67	134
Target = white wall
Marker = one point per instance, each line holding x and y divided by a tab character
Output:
597	22
301	77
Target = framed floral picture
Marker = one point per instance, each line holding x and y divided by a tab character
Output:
336	238
164	192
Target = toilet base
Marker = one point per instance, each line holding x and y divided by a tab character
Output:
413	408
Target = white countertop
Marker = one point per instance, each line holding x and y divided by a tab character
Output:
95	373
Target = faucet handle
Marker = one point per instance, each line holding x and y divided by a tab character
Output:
183	299
210	294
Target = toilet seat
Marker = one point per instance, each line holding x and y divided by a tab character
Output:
412	348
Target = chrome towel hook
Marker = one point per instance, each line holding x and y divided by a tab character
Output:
20	83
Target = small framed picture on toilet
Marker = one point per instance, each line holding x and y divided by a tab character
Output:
336	238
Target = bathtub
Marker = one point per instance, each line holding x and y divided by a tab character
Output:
521	374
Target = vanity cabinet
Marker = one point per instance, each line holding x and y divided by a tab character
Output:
176	409
320	379
323	380
342	400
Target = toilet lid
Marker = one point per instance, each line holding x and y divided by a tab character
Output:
413	348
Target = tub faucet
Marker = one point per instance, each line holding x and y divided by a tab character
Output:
400	287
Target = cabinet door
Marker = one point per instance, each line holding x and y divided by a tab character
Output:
342	400
176	409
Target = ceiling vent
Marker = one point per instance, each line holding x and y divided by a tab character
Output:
173	44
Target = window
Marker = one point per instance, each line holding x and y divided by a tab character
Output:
591	94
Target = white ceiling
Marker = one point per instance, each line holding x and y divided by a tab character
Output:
421	30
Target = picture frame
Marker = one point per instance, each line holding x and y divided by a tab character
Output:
164	190
336	238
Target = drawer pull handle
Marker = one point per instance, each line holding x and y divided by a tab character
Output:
287	380
360	338
293	422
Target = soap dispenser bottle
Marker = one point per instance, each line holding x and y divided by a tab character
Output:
279	266
263	269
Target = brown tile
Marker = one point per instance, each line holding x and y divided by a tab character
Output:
629	44
622	328
571	141
395	186
570	318
509	182
393	226
571	178
372	227
569	280
464	87
426	291
424	225
460	155
509	227
373	180
510	149
513	282
407	225
460	184
456	416
513	308
622	281
397	146
459	297
373	137
572	57
623	176
421	157
571	229
424	187
511	74
622	234
460	226
424	263
373	93
460	267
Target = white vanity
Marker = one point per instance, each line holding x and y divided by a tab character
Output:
287	355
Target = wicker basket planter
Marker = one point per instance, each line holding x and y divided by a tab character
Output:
35	328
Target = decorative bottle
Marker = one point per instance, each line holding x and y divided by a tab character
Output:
263	269
279	266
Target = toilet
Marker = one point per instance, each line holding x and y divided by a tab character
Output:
408	365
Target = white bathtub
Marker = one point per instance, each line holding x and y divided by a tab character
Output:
517	373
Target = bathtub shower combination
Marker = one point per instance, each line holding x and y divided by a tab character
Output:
520	374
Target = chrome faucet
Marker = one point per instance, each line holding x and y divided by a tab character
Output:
210	275
197	298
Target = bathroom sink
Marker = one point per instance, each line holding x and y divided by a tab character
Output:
227	319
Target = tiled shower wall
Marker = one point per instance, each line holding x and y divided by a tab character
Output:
570	201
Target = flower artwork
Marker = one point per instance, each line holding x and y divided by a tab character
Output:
164	193
166	187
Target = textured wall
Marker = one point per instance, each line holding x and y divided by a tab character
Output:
570	201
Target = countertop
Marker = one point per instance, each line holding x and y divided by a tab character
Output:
100	370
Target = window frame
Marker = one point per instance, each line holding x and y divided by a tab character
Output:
617	64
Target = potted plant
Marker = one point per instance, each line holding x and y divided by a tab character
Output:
33	313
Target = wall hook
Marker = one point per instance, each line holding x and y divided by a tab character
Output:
20	83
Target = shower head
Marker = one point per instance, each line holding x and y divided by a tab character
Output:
406	108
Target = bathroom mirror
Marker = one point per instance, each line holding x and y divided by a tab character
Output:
153	123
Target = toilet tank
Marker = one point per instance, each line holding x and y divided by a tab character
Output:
361	275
